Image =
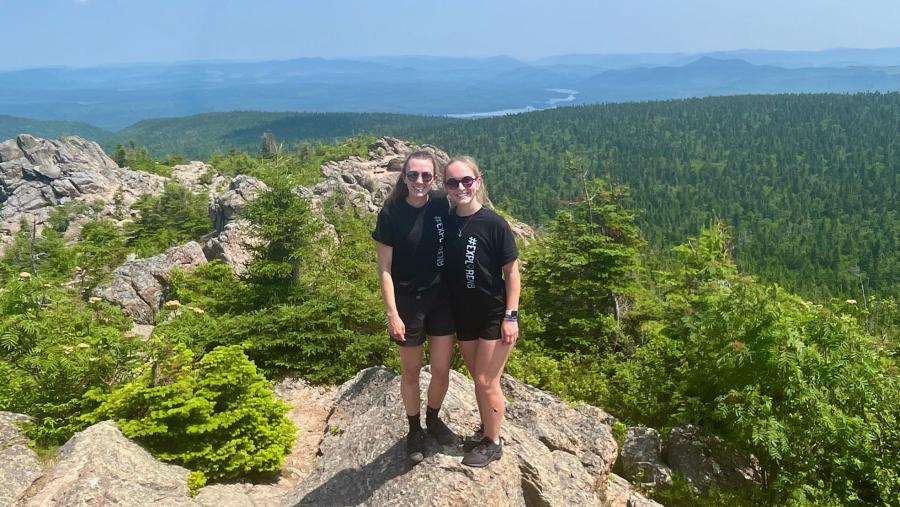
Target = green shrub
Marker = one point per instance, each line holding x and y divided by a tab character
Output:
174	217
53	348
217	417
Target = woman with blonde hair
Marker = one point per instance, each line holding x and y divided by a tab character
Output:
483	276
410	234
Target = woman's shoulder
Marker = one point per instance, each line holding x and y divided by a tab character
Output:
489	215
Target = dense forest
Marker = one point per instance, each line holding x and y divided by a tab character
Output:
808	184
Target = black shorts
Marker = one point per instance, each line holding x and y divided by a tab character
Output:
485	326
425	313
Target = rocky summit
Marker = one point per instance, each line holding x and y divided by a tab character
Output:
350	451
38	174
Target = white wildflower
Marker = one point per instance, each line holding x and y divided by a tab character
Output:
851	301
173	303
24	274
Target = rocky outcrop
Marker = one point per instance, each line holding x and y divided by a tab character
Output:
38	174
138	286
233	239
642	458
99	466
226	206
192	175
554	454
706	461
19	465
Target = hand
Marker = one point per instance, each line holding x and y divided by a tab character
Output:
396	328
509	332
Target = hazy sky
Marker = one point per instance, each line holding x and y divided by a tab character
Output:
90	32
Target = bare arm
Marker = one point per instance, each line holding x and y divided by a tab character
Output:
396	327
512	279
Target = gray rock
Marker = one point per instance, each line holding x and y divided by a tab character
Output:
138	286
19	465
620	493
99	466
190	174
233	245
228	205
363	461
9	150
707	461
642	458
37	174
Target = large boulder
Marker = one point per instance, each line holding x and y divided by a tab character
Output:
99	466
19	465
642	458
554	454
139	285
38	174
706	461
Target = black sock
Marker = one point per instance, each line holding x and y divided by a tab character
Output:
431	414
415	423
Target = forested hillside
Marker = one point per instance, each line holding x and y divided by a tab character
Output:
809	184
199	136
11	126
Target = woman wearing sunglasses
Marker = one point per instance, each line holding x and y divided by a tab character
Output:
483	275
410	234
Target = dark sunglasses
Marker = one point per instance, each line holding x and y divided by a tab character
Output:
414	175
467	182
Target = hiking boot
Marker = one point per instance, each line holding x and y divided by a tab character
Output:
483	453
415	446
439	431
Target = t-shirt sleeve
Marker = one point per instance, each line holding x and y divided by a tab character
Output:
508	249
383	232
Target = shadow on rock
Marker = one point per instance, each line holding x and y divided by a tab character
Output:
355	486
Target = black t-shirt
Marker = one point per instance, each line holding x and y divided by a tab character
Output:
417	237
478	246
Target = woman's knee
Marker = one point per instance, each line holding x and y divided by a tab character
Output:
486	384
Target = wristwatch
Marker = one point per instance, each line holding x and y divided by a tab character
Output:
511	315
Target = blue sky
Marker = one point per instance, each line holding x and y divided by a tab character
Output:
94	32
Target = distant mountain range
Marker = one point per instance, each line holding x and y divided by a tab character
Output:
114	97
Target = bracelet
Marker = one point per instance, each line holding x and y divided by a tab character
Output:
511	319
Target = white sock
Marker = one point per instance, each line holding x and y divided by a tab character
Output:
497	442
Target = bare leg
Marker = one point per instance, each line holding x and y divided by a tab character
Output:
410	365
440	351
489	364
469	351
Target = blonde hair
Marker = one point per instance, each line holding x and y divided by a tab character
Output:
481	193
400	190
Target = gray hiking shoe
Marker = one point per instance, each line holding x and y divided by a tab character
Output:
483	453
